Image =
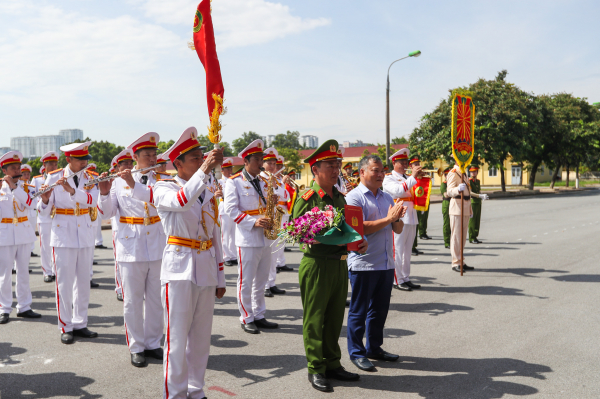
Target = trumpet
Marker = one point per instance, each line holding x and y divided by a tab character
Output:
296	186
115	175
50	187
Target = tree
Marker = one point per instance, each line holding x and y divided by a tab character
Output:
204	141
241	142
399	140
287	140
291	156
164	145
102	153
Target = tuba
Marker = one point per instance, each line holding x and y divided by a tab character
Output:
272	211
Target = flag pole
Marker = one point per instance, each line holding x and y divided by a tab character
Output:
462	231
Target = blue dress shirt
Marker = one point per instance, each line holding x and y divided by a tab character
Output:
380	254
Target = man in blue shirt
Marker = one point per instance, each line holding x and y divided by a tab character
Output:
372	274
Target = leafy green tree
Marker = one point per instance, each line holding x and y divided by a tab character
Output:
292	158
102	153
204	141
399	140
241	142
164	145
287	140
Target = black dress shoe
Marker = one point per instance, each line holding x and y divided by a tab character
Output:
67	338
138	359
277	291
29	314
94	263
347	303
119	297
269	294
402	287
94	285
34	255
456	268
15	272
286	249
263	323
154	353
285	268
3	318
319	382
465	267
101	246
383	355
447	246
48	279
410	284
85	333
250	328
29	271
229	263
476	241
364	364
341	374
235	262
425	237
53	277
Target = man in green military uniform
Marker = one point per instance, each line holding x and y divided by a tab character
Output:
323	275
445	210
475	205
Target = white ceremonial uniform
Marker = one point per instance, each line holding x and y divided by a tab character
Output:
399	187
277	251
191	271
16	236
44	224
454	179
115	227
242	203
284	219
30	189
72	242
140	241
99	239
227	229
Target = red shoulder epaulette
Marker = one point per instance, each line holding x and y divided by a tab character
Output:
55	171
236	175
387	174
308	194
91	172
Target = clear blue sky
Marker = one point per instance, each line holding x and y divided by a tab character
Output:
118	69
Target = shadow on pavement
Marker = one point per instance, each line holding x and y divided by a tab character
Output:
219	342
466	378
523	272
387	333
47	385
6	353
433	309
483	290
579	278
242	366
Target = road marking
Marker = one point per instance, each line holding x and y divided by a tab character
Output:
434	259
223	390
47	361
535	235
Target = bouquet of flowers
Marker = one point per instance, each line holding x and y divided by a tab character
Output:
325	226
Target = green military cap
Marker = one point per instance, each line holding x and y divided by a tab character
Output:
327	151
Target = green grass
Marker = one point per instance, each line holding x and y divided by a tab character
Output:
582	183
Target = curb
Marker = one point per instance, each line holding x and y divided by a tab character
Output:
437	199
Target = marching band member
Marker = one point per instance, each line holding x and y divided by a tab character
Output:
16	236
97	225
288	206
140	242
445	209
475	221
72	239
227	225
29	189
457	183
270	156
244	203
162	161
121	162
399	185
50	164
192	270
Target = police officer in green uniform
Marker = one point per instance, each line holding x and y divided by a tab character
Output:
445	210
475	205
323	275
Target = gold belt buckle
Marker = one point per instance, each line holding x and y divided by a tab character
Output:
76	212
146	221
344	257
15	221
203	245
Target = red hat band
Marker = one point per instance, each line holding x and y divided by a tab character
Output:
415	159
324	156
401	156
250	151
269	156
49	159
182	148
78	153
144	144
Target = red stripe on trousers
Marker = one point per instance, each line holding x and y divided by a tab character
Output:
168	341
240	294
57	294
124	322
116	265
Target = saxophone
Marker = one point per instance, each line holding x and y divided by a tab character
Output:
272	211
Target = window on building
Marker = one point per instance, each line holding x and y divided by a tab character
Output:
542	171
492	171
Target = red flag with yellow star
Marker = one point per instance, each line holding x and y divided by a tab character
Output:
204	43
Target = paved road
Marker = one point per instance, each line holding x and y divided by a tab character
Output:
525	323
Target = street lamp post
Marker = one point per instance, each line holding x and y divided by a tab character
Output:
387	106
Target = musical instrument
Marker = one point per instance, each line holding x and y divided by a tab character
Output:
50	187
272	210
115	175
347	179
296	186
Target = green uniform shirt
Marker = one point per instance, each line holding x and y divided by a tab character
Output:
443	188
317	197
475	188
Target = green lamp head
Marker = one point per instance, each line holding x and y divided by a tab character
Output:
414	53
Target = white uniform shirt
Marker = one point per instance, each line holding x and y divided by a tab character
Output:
70	231
182	214
399	187
10	201
135	242
37	183
241	196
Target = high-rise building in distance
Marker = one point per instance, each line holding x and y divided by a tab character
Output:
4	150
310	141
25	145
70	135
33	147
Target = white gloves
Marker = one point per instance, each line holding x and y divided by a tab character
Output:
484	197
461	187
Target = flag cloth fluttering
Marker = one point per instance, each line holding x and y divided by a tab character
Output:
204	43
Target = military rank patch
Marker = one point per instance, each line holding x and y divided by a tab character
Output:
308	194
321	193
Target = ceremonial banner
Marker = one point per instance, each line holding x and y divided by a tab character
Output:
292	193
463	123
421	193
204	43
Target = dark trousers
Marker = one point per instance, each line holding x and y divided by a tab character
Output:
446	225
371	292
475	221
